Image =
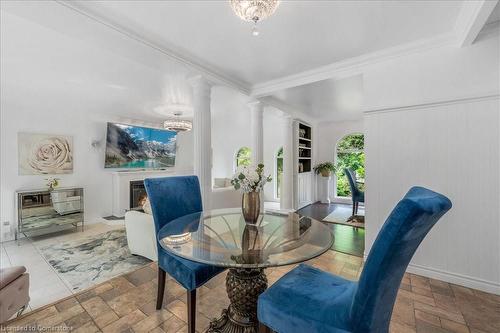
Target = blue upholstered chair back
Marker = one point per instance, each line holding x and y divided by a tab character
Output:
173	197
352	182
397	241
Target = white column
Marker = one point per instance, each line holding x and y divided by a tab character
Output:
202	137
286	201
324	189
257	129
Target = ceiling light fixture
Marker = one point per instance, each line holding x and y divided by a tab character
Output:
254	10
177	124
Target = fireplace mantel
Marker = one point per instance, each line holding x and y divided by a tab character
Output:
121	185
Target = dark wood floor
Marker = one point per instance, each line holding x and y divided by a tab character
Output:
347	239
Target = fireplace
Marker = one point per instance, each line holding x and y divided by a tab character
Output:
137	194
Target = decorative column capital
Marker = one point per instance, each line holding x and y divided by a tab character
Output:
256	105
287	118
200	83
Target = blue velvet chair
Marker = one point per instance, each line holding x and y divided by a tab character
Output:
309	300
356	194
170	198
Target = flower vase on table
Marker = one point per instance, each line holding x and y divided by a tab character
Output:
251	181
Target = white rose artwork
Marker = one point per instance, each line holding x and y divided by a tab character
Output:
45	154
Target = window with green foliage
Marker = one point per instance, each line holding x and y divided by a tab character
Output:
279	172
350	154
244	156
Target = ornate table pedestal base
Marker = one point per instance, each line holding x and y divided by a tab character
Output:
243	288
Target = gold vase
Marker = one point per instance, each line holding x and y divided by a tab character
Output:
250	206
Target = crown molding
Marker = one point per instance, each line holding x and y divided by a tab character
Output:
351	66
287	109
205	70
471	19
436	103
492	28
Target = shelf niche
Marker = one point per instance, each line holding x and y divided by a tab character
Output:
304	148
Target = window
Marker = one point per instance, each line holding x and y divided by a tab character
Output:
279	172
350	154
244	156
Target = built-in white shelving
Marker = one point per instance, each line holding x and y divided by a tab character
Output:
303	157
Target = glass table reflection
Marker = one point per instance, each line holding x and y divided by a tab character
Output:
223	238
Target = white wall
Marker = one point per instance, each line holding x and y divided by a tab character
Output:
436	136
230	129
274	128
329	135
88	166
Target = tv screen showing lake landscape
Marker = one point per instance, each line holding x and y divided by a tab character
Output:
131	147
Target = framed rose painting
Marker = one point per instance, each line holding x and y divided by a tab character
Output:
44	154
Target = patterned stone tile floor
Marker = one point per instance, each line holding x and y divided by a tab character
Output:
127	304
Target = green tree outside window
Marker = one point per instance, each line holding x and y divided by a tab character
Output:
244	157
279	172
350	154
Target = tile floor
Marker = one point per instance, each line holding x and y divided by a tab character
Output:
45	285
127	304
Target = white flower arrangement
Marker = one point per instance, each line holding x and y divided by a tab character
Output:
52	182
250	178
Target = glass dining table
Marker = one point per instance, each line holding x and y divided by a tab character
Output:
223	238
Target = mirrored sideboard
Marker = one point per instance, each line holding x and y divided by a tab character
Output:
42	211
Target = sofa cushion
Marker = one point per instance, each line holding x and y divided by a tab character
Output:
14	296
219	182
7	275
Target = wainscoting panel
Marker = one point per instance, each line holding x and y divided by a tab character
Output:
452	148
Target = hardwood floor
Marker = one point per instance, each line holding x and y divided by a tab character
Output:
127	304
347	239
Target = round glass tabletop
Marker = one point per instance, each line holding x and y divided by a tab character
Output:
223	238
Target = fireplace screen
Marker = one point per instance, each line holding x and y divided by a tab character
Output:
137	194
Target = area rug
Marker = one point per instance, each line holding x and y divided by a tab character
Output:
88	261
342	215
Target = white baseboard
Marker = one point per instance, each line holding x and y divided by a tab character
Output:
459	279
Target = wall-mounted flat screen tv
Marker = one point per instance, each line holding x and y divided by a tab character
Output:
130	147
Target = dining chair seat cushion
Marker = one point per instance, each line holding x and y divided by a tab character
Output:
307	299
188	273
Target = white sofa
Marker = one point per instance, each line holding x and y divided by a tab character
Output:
225	197
140	227
141	236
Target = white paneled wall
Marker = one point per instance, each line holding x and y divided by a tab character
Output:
452	147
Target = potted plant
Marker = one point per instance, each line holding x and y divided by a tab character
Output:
251	181
325	169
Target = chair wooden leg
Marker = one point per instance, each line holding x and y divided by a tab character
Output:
161	288
263	328
191	304
353	208
356	209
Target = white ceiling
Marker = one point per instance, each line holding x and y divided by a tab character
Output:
327	100
42	63
129	57
301	35
495	15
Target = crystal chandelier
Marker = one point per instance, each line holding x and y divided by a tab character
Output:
177	124
254	10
